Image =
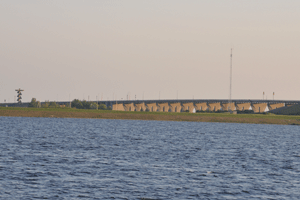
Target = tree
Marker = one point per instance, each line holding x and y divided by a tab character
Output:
76	104
52	104
45	105
86	105
93	105
33	103
102	107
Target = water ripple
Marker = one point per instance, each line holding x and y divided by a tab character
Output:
48	158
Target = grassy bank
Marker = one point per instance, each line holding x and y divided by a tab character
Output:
108	114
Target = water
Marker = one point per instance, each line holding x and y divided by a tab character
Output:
48	158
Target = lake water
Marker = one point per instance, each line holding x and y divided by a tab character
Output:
49	158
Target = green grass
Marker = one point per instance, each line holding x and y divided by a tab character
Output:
227	115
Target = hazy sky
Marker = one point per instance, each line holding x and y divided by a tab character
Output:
56	48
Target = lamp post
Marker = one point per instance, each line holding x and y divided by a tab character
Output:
97	101
230	84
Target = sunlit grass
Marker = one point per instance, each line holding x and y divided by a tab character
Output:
217	115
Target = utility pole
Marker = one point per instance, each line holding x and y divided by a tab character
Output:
273	95
229	107
263	95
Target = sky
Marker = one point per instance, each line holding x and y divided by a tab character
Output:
58	50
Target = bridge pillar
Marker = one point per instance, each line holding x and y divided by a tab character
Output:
225	106
152	107
188	107
175	107
243	106
163	107
129	107
214	106
276	105
260	107
201	106
140	107
119	107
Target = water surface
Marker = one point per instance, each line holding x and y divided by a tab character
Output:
49	158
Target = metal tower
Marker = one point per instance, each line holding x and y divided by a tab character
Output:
19	91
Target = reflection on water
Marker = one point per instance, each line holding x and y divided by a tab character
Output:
115	159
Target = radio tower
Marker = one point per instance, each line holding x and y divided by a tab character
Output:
230	110
19	91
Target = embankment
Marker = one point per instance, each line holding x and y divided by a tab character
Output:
195	117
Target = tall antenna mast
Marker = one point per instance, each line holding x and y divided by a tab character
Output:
230	82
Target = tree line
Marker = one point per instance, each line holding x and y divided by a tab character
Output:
76	103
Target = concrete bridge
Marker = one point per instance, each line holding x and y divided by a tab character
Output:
192	106
184	105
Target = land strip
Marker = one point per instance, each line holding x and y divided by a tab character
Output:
161	116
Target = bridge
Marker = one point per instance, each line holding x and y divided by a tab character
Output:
186	105
192	106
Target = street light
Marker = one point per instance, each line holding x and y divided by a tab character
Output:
97	101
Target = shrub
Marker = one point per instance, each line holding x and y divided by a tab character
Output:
76	104
86	105
34	103
102	107
93	105
245	112
53	104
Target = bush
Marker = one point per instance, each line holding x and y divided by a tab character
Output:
93	105
86	105
102	107
76	104
45	105
221	111
53	104
34	103
245	112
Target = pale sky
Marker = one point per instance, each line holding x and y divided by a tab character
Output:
56	48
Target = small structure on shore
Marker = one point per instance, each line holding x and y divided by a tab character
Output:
19	91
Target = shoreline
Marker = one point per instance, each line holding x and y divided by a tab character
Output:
158	116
